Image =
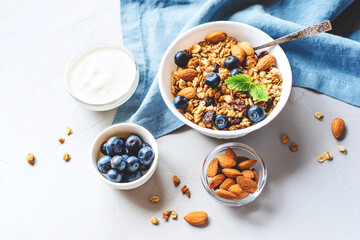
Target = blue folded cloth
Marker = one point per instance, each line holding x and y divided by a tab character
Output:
326	62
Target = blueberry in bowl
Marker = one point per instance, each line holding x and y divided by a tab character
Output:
131	158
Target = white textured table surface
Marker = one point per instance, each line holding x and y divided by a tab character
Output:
303	199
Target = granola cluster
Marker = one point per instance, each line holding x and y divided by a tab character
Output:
206	102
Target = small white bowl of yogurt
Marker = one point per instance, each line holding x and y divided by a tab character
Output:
102	76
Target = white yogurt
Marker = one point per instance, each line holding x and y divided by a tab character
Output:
102	75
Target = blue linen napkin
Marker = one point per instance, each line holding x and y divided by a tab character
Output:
326	62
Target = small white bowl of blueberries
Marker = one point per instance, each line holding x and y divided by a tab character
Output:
124	156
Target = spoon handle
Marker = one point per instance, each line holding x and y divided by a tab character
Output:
306	32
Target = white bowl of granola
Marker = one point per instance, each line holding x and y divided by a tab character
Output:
201	76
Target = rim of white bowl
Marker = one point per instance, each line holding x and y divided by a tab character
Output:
285	93
128	185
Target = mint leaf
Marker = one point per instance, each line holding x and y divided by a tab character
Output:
259	92
240	82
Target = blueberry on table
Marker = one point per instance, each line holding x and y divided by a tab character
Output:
119	162
103	164
231	62
133	164
180	102
256	113
115	146
132	176
103	148
212	80
114	176
181	58
146	155
145	144
133	144
221	121
235	71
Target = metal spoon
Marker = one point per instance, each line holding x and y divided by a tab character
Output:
306	32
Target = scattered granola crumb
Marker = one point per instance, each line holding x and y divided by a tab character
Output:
321	158
153	220
285	138
342	149
68	131
30	158
328	156
185	190
319	115
293	147
154	199
66	157
61	140
176	180
174	215
166	215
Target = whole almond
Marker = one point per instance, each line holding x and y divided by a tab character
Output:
248	174
226	162
216	181
188	74
227	183
237	51
246	184
230	153
231	172
188	92
337	127
236	189
265	62
196	218
241	158
246	164
216	37
226	194
256	176
248	49
213	168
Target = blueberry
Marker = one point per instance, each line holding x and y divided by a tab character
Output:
212	79
144	167
103	164
103	148
133	164
235	71
256	113
181	58
119	162
145	144
231	62
115	146
146	155
133	144
114	176
221	121
132	176
180	102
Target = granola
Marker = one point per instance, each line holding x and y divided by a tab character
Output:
209	57
30	158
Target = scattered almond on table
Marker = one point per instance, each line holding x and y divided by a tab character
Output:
185	190
68	131
319	115
293	147
154	199
176	180
66	157
342	149
153	220
196	218
30	158
285	138
337	127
